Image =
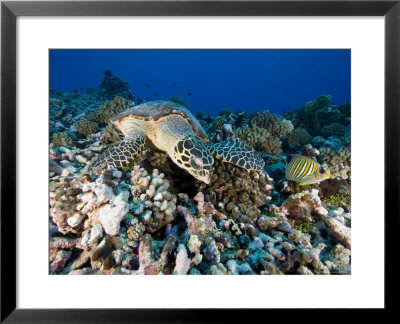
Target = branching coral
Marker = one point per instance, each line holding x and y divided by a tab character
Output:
235	192
260	139
86	127
299	137
154	204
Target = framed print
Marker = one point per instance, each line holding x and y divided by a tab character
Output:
158	154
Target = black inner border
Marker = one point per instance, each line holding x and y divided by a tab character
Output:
10	10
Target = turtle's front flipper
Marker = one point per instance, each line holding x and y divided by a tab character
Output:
238	154
121	154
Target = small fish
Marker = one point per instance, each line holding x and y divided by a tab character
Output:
155	94
173	84
147	85
304	170
189	93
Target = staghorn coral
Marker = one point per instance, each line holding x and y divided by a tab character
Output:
299	137
153	203
272	123
235	192
63	139
109	109
86	127
260	139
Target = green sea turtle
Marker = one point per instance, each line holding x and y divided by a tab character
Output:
171	128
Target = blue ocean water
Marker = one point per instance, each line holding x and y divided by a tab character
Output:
210	80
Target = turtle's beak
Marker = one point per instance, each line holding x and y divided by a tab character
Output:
204	176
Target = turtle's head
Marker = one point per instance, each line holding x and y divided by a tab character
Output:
192	154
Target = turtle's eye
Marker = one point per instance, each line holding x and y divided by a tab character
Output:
195	162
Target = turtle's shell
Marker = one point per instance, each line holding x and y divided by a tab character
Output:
156	110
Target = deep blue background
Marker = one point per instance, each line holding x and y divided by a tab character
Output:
277	80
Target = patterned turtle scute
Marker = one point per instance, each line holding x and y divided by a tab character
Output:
121	154
155	110
237	153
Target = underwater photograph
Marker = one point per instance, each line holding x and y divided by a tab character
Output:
199	161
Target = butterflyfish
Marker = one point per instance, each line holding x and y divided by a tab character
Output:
304	170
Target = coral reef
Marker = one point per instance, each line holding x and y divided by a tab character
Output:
237	193
111	86
157	158
62	139
109	109
272	123
334	129
260	139
299	137
154	205
152	218
86	127
112	134
315	115
332	157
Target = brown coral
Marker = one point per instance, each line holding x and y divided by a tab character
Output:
62	139
86	127
331	157
299	137
272	123
112	134
235	192
109	109
260	139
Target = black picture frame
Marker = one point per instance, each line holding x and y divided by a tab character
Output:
10	10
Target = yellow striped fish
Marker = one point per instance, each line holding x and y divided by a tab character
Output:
304	170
